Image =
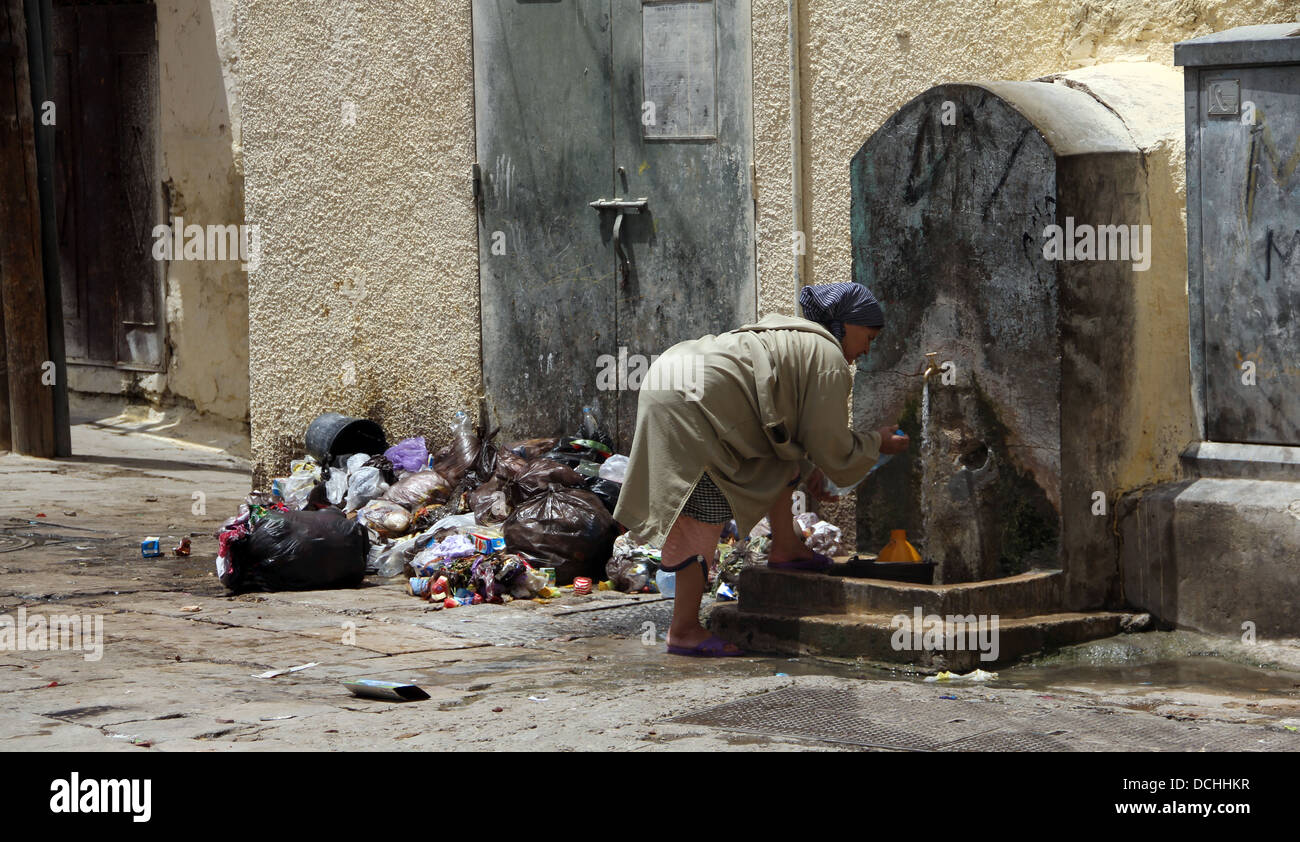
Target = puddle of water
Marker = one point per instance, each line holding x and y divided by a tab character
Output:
1137	664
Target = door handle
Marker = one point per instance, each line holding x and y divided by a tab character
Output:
621	207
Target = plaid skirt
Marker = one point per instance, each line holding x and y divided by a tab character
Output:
707	503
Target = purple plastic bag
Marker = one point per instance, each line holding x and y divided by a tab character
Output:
409	454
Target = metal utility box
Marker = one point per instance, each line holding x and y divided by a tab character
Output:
1242	99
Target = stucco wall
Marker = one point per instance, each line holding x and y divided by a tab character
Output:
862	59
366	298
206	301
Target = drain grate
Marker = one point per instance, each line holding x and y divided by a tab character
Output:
880	718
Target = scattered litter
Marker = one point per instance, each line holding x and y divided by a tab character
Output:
183	548
148	547
70	514
951	698
277	718
274	673
52	684
782	675
536	699
373	688
973	675
190	609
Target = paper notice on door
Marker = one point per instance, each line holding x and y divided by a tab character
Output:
679	69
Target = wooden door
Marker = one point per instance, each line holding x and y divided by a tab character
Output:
106	183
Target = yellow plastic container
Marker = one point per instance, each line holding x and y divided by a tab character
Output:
898	549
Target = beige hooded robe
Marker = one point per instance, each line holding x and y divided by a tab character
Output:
752	407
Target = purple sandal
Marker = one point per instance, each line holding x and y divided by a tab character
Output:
714	647
817	564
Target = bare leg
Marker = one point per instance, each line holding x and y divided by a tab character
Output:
689	537
786	545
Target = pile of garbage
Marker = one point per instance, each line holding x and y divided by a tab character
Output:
473	522
470	523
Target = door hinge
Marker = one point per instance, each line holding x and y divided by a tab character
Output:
753	181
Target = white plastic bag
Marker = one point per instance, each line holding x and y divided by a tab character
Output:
297	488
614	468
336	487
364	485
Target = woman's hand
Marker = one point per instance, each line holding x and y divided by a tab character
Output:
890	441
815	485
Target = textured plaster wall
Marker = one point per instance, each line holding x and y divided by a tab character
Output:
862	59
358	143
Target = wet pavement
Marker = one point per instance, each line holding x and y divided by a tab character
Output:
180	657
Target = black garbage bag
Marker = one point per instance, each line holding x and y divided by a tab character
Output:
385	467
299	551
569	528
607	490
571	449
485	464
539	474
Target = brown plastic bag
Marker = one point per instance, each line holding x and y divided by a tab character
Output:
489	502
510	465
530	449
568	528
455	460
420	489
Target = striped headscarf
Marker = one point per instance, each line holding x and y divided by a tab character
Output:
835	305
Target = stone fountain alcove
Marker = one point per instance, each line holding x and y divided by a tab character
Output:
952	199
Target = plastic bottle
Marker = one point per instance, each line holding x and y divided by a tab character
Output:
592	430
460	423
667	583
838	491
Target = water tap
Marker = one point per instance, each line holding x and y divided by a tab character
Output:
931	367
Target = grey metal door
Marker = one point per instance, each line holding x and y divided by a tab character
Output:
1250	190
585	100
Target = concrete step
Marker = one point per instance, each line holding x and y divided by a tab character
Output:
880	637
765	590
